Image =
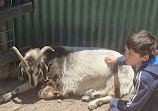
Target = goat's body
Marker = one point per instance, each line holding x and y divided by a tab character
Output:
82	71
86	69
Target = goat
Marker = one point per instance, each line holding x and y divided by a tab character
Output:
80	71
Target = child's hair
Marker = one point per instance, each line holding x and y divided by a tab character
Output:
143	43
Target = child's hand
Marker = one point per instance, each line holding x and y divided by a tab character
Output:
109	108
111	59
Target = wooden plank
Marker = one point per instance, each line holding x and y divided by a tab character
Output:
15	11
11	56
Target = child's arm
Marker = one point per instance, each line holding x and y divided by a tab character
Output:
140	97
113	59
121	61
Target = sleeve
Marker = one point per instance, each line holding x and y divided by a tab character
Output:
114	104
121	61
141	95
114	109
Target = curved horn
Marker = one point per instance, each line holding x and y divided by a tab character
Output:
37	61
24	62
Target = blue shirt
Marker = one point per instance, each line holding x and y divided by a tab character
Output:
145	96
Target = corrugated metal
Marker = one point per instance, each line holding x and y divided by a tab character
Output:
101	23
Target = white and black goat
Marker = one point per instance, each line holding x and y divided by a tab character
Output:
74	70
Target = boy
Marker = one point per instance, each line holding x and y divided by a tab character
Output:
141	51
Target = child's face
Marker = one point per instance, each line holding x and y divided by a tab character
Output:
132	58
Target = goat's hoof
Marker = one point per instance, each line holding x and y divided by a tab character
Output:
5	98
92	105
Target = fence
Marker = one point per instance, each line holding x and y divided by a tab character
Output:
8	59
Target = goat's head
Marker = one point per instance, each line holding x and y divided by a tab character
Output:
32	64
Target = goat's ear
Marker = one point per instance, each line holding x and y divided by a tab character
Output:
44	70
22	71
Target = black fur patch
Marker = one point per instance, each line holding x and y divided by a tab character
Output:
54	61
59	52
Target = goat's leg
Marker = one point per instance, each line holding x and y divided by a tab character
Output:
99	93
102	93
98	102
88	95
18	90
92	94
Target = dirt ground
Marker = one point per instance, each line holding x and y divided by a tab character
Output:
29	101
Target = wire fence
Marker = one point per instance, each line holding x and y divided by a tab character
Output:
10	9
7	40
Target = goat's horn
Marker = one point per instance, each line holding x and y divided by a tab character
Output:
37	61
24	62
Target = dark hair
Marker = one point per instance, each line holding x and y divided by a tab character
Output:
143	43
